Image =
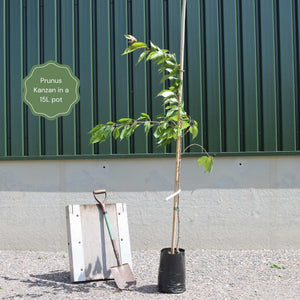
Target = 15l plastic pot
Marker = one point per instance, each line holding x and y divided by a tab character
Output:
171	276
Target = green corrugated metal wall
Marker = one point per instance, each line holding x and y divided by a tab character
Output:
241	78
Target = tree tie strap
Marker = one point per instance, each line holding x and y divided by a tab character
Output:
173	195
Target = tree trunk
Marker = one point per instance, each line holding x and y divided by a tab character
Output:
179	140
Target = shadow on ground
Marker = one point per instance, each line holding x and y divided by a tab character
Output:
145	289
148	289
53	283
57	282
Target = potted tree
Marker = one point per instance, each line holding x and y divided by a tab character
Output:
172	125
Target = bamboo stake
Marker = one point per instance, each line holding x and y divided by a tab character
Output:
179	139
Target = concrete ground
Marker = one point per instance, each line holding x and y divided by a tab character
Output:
210	274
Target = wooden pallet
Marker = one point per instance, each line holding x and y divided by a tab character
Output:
90	250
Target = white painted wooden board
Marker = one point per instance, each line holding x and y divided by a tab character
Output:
90	250
125	250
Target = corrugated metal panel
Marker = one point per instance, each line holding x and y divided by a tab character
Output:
241	78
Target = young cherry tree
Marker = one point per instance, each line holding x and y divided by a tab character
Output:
172	125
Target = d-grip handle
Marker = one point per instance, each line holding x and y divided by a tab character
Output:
102	204
96	192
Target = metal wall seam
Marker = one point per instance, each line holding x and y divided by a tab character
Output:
222	76
139	75
25	71
148	73
278	75
68	134
50	53
3	124
268	76
213	76
130	75
296	39
60	150
85	74
77	73
193	68
287	81
113	116
156	32
259	75
94	70
204	116
231	76
250	96
121	69
8	81
171	15
240	75
103	69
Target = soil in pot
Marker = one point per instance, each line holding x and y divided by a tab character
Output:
171	276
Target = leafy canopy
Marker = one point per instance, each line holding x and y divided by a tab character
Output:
166	128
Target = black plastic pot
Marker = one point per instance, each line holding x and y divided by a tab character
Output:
171	276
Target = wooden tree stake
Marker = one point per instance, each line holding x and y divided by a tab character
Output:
179	140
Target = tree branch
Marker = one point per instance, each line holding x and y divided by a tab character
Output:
198	145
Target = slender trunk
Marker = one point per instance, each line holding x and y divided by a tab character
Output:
179	140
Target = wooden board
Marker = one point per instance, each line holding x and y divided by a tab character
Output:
90	250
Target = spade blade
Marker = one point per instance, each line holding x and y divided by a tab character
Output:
123	277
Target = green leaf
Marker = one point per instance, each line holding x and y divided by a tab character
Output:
96	138
160	116
210	165
147	126
107	132
167	65
167	76
129	37
150	55
169	70
165	126
170	112
169	132
123	132
154	47
143	55
161	59
116	133
164	142
207	162
134	46
174	118
277	267
96	128
166	93
177	133
125	120
145	116
155	55
131	130
194	131
185	124
158	132
173	58
171	101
